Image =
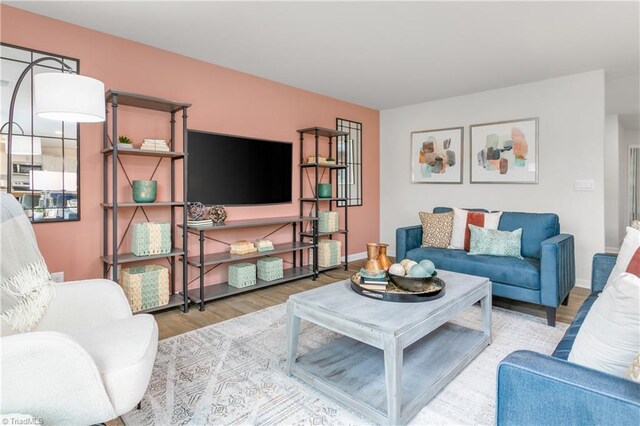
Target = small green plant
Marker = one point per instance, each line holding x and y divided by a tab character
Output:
331	159
125	140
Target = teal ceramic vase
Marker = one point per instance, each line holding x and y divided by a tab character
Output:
324	190
145	191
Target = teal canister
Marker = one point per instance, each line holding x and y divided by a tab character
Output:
324	190
145	191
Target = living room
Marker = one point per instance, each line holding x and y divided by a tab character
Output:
507	124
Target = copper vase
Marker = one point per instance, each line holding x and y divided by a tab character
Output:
373	265
383	259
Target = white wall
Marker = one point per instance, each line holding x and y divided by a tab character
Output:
628	137
571	146
612	183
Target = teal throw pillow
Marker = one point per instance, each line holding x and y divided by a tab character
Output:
494	242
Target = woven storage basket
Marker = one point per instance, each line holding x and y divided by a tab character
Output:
270	268
145	286
328	221
329	252
242	275
151	238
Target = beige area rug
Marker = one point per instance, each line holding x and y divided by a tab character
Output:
232	373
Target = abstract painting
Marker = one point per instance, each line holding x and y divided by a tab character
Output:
436	155
505	152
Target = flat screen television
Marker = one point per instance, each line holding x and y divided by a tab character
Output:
236	170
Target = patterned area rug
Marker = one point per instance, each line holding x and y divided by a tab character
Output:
232	373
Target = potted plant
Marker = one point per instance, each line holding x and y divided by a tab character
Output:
38	213
331	160
124	142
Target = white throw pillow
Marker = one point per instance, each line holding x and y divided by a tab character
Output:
461	222
609	338
628	248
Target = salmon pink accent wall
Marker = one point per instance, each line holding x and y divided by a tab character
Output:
224	101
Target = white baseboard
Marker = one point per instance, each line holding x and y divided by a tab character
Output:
356	256
583	283
613	250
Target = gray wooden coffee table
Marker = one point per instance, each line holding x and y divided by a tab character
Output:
393	357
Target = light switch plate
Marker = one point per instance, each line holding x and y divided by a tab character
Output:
583	185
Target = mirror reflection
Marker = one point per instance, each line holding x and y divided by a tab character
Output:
44	153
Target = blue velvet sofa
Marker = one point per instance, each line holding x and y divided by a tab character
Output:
536	389
545	276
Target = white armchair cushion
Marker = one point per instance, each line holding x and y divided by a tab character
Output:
84	304
49	375
124	351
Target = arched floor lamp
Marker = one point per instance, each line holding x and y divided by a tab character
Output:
65	96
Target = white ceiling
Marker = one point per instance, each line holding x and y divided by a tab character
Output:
380	54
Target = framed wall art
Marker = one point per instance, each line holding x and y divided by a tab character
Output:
505	151
436	155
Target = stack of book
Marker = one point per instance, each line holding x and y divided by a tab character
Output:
264	245
374	283
155	145
203	222
243	247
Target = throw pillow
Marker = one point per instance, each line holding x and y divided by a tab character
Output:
461	235
608	339
630	244
634	369
634	264
636	224
436	229
495	243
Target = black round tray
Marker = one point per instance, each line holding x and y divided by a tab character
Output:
394	294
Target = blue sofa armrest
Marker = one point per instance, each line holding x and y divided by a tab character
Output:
536	389
601	268
407	238
557	269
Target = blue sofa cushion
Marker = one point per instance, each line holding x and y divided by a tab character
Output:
565	345
536	227
508	270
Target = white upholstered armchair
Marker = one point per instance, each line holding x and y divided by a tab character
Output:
88	359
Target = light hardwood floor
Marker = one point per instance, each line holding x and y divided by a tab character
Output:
174	322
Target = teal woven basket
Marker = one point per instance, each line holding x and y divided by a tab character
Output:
151	238
328	221
270	269
242	275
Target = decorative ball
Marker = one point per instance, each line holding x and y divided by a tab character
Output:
418	271
218	214
403	262
397	269
409	265
196	211
428	265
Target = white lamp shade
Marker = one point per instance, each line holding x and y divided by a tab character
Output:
69	97
21	145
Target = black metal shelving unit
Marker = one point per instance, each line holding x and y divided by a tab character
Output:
111	257
205	293
314	178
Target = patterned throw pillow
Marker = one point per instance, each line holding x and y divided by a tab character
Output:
634	369
461	236
495	243
636	224
436	229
